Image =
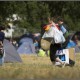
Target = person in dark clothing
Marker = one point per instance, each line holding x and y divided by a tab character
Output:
53	49
2	36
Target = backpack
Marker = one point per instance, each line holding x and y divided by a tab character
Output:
64	28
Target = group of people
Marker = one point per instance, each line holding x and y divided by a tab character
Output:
49	29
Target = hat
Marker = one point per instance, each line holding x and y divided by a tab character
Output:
46	27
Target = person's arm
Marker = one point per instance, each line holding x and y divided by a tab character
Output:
52	24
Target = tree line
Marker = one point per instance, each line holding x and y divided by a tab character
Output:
35	13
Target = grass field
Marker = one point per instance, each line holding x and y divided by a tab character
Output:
39	68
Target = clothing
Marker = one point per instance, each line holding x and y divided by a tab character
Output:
1	44
64	28
2	36
53	49
54	33
49	33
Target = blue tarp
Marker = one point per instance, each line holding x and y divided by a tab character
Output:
71	44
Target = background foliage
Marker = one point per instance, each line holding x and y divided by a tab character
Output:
35	13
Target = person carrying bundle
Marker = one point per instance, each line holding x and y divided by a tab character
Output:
52	31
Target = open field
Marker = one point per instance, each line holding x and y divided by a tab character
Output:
39	68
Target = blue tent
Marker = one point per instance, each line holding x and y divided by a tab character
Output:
26	48
28	35
11	54
26	39
26	44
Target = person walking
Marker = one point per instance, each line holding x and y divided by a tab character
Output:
49	31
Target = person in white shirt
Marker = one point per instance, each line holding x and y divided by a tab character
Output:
53	47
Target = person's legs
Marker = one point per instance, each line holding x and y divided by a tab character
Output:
52	53
53	49
59	60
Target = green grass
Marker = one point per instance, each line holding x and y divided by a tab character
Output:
34	67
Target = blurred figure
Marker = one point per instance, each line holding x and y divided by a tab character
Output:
2	36
36	44
64	28
73	42
15	44
53	47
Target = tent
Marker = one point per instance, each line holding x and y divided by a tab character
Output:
26	45
26	48
11	54
26	38
27	35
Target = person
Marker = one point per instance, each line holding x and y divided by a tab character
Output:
36	44
14	43
53	47
73	41
2	36
64	28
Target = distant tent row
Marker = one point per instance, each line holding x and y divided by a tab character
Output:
25	46
13	55
26	43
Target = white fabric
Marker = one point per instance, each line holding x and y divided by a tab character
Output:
61	52
49	33
56	34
